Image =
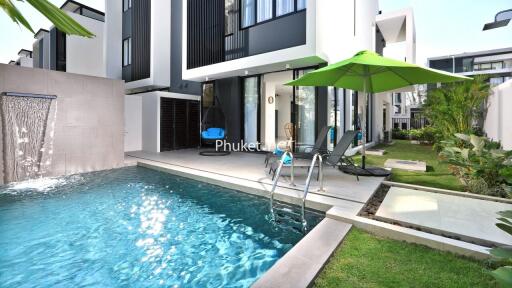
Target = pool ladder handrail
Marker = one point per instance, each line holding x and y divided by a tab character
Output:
276	179
316	157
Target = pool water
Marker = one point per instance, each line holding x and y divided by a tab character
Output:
135	227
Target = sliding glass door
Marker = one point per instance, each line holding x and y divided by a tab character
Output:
304	114
251	109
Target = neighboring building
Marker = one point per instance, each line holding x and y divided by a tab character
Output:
498	121
55	50
407	113
41	48
496	64
24	58
177	55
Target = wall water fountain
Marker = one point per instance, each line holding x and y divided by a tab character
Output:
27	139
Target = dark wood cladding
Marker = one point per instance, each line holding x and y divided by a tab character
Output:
205	32
61	51
141	39
179	124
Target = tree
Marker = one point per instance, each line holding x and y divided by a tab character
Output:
456	107
59	18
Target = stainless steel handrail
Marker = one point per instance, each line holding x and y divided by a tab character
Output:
276	179
308	181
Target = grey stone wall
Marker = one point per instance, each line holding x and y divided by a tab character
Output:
89	128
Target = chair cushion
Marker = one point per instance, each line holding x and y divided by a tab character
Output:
213	133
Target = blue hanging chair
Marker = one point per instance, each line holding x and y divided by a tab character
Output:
214	128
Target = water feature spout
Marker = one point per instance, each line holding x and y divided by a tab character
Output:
24	118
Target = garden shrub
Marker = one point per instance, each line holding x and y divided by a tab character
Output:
481	164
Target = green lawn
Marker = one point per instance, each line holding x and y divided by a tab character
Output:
437	175
364	260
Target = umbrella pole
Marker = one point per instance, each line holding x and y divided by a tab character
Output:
363	128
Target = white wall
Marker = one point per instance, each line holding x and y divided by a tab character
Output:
132	123
113	38
498	122
88	133
336	38
26	62
270	82
150	122
85	55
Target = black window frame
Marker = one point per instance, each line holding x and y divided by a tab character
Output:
130	52
129	3
274	13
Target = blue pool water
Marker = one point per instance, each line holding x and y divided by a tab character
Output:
135	227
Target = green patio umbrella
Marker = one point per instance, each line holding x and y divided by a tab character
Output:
369	72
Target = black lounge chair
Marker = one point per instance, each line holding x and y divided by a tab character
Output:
319	147
336	158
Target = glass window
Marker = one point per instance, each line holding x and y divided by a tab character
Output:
485	66
305	116
398	98
208	97
467	64
301	4
127	51
229	16
497	65
251	99
248	13
265	8
284	7
127	4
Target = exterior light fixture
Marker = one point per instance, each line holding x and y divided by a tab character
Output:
500	20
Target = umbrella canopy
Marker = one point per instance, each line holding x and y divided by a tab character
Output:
369	72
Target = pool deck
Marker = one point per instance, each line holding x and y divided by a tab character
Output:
247	172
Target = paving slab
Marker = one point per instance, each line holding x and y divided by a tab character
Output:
469	219
410	165
376	152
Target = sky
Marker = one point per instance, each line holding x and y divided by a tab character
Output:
443	27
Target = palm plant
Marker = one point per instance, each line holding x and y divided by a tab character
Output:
454	108
59	18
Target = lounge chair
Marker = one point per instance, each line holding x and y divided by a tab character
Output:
336	158
310	151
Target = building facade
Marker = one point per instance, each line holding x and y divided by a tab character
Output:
496	64
54	50
181	57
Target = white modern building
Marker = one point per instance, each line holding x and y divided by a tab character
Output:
181	57
55	50
24	59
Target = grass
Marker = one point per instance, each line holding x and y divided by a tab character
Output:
365	260
438	175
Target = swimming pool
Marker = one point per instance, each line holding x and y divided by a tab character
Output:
135	227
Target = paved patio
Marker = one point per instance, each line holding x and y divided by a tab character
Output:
465	218
248	170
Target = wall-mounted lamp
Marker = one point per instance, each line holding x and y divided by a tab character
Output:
500	20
